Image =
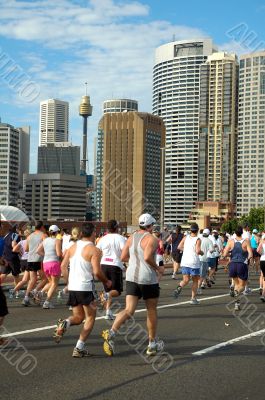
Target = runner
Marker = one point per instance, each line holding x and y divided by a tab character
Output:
254	243
141	281
261	251
190	262
111	246
238	268
51	249
12	263
3	307
175	239
20	249
160	247
164	236
207	248
84	259
214	257
34	259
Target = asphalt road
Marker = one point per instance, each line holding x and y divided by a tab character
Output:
32	366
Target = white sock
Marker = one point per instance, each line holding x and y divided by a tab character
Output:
26	297
68	323
80	345
112	333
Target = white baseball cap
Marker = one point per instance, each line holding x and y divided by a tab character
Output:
255	230
146	220
54	228
206	231
263	236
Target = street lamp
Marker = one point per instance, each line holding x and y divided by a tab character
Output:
163	149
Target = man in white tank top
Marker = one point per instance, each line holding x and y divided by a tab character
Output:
141	281
84	260
190	262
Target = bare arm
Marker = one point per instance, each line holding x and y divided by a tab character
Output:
125	254
198	248
58	247
259	249
27	244
95	261
149	250
65	264
249	250
228	248
40	250
17	248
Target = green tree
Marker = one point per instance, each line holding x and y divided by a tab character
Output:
255	220
230	225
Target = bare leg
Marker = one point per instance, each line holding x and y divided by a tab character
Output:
111	293
90	315
151	322
32	282
131	304
54	280
24	281
194	287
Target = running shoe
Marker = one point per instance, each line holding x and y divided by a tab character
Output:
60	330
177	291
37	297
11	294
109	315
174	276
153	350
103	298
194	302
212	282
47	305
208	284
247	291
108	345
77	353
203	286
232	291
262	298
25	302
237	306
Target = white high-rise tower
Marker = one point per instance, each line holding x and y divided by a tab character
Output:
54	121
176	97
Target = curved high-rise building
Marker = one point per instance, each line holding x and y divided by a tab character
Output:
119	105
54	121
176	97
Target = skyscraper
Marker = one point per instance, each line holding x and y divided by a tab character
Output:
131	165
109	106
13	161
176	96
54	121
218	127
251	133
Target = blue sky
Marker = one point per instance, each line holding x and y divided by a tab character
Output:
110	44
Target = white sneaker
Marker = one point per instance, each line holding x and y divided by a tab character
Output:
153	350
237	306
247	291
47	305
109	315
174	276
194	301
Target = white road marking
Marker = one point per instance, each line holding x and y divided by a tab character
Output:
231	341
102	317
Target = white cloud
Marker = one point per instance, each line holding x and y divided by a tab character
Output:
109	44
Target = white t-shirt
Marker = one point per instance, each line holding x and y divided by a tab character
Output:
246	234
111	246
65	241
206	247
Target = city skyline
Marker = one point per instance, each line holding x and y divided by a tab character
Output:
60	60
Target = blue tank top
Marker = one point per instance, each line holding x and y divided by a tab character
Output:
238	255
253	242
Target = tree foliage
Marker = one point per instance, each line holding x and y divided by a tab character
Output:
255	220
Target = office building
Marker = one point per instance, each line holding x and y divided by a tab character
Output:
62	158
54	121
218	127
176	98
109	106
14	160
130	165
251	133
55	197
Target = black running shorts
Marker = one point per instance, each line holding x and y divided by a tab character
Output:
142	291
34	266
114	274
177	256
77	298
262	267
3	305
13	268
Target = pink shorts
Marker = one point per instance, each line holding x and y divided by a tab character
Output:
52	268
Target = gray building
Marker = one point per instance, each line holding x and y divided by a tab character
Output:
55	196
176	97
54	121
14	160
251	133
62	158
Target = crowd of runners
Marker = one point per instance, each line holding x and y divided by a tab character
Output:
46	254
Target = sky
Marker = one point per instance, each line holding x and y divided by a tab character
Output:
50	49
